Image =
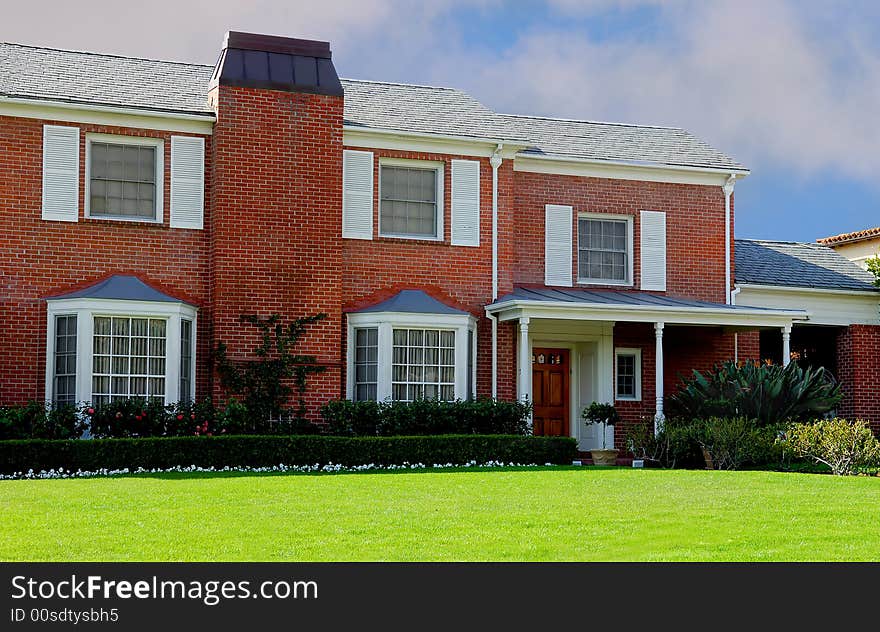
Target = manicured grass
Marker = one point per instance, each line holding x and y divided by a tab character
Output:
532	514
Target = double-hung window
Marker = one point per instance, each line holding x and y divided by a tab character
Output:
604	250
410	199
628	374
124	178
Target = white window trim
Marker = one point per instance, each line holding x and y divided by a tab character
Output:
633	351
158	143
386	322
418	164
630	254
86	309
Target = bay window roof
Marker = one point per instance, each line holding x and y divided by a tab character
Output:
120	287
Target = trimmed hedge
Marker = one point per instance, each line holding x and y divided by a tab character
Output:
262	451
425	417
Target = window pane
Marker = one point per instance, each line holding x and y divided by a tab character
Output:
602	250
418	371
408	204
366	372
626	375
120	364
122	180
64	383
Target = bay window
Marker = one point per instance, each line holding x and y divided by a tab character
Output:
406	357
100	351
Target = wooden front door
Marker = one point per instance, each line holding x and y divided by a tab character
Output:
550	384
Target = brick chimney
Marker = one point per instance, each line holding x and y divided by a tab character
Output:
277	185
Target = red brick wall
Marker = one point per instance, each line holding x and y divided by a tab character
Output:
859	373
39	258
694	226
276	228
684	350
462	275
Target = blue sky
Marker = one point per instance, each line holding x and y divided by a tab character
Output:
790	88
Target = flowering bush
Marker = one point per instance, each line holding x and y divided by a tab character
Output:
847	447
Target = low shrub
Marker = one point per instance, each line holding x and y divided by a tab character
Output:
847	447
425	417
262	451
726	443
40	421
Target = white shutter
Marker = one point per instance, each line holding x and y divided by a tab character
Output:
557	245
357	194
187	182
60	173
465	203
653	247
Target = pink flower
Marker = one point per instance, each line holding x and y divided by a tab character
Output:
193	416
138	417
180	418
118	415
210	434
90	411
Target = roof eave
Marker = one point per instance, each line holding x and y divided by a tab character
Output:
725	316
739	172
111	108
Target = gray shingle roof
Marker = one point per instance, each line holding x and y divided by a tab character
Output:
76	77
615	298
122	287
617	142
412	302
90	78
797	265
420	109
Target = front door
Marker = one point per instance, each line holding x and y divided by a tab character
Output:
550	384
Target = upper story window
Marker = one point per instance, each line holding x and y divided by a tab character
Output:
124	178
410	201
605	250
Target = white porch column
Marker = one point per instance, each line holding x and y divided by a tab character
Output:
786	345
525	360
658	377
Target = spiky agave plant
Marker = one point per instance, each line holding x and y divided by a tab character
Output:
766	392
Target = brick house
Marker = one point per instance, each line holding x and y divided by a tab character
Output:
456	251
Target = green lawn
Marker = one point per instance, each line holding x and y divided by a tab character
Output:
526	514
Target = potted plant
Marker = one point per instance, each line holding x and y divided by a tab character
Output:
605	414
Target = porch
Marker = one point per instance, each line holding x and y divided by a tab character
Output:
627	348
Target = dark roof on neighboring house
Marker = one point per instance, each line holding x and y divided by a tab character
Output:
121	287
845	238
30	72
412	302
612	298
796	264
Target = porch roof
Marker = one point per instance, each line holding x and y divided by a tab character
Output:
634	306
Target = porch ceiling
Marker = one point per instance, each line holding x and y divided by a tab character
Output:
634	306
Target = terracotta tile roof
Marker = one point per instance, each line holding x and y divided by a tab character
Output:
857	235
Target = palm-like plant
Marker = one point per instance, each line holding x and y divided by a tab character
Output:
766	392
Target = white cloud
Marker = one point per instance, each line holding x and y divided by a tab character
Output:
776	82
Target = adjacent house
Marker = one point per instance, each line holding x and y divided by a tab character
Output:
857	246
456	251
